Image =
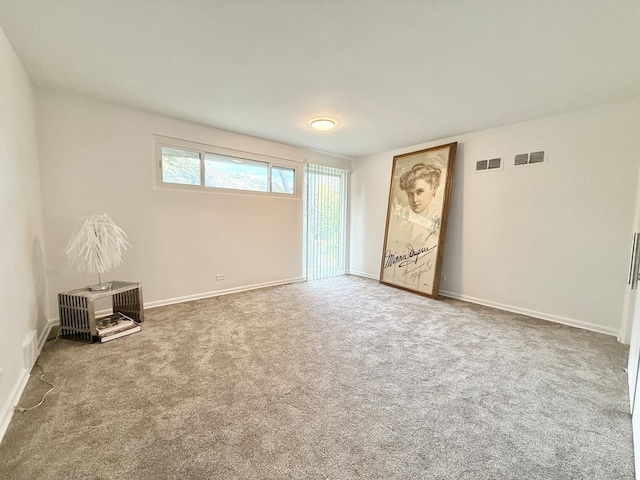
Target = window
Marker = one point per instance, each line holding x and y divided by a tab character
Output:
196	166
237	173
283	180
180	166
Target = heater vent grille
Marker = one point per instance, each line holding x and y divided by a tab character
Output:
490	164
495	163
530	158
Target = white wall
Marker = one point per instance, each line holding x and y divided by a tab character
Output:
551	241
98	158
22	271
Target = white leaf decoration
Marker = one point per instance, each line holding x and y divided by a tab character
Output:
98	245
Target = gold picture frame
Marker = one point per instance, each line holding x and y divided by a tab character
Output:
417	212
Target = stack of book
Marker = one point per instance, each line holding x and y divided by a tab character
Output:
115	326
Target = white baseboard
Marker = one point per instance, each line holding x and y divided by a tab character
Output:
509	308
217	293
6	413
14	397
42	339
532	313
363	274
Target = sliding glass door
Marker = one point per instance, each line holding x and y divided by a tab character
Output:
325	221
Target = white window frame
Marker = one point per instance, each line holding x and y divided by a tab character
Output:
202	149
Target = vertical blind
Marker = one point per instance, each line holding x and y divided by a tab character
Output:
325	221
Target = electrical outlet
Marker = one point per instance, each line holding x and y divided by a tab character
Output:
443	278
221	276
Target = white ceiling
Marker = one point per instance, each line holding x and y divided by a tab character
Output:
393	72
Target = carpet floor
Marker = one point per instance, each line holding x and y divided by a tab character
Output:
341	378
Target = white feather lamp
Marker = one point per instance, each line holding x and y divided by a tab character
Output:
97	246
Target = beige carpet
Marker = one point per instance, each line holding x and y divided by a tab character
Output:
335	379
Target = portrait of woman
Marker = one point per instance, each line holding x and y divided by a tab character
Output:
421	185
418	203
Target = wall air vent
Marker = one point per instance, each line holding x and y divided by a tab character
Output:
536	157
522	159
495	163
530	158
488	165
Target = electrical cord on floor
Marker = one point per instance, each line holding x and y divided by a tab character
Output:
55	339
26	409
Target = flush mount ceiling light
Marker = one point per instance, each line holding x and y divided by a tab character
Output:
323	123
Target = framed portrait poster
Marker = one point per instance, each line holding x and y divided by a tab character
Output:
417	219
